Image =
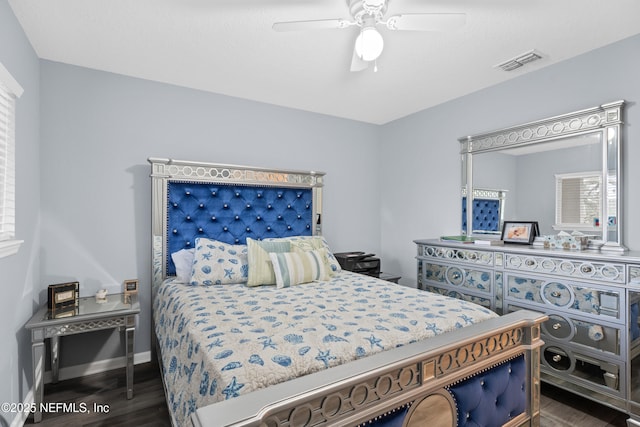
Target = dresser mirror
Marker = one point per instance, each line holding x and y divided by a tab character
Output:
563	172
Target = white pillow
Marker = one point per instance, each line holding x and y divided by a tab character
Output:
183	259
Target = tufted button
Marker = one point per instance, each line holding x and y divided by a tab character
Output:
259	195
248	205
237	194
175	205
248	229
299	195
307	205
201	205
237	217
213	193
237	240
482	383
187	244
188	218
299	216
175	231
199	229
225	206
288	206
269	206
225	228
279	216
279	195
288	227
188	193
213	218
258	217
308	226
269	228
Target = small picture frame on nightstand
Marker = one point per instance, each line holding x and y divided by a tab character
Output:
130	287
62	295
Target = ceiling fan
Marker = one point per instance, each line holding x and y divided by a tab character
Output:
369	14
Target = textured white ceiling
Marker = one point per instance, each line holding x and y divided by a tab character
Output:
228	47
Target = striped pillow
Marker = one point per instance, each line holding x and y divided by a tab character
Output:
293	268
260	268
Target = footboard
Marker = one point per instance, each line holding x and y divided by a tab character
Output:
485	374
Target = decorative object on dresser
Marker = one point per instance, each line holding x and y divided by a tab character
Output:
523	232
90	315
592	337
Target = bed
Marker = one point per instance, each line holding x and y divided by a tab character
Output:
316	345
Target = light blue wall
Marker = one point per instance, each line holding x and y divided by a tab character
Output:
98	129
424	146
20	273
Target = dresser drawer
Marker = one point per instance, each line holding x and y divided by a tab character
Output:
565	294
593	372
485	302
467	278
465	255
566	267
590	335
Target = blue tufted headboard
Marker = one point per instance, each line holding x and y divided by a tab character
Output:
488	211
230	213
227	203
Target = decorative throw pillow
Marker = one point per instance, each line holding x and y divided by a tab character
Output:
307	243
218	263
294	268
260	267
183	260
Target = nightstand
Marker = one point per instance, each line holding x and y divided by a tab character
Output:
116	312
390	277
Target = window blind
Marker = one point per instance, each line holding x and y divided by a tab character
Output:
579	199
7	164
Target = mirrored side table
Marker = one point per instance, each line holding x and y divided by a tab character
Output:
116	312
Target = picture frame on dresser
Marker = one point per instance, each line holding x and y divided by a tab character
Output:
523	232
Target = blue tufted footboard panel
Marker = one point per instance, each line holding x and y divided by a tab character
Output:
487	399
494	397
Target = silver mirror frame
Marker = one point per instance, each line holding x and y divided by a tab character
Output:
605	119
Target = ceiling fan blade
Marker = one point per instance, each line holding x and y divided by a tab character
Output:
426	21
357	64
321	24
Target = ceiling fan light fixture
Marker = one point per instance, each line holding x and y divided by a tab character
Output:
369	44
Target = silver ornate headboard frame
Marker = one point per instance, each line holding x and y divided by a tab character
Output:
166	171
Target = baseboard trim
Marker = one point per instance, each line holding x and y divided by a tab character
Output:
80	371
96	367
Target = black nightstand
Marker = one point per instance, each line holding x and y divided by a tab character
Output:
389	277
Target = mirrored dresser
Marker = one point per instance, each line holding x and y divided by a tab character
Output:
592	337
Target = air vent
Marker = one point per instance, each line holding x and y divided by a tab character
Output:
520	60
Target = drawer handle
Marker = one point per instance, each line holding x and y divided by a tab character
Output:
556	294
557	358
557	326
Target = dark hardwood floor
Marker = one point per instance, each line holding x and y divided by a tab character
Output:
107	390
148	408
